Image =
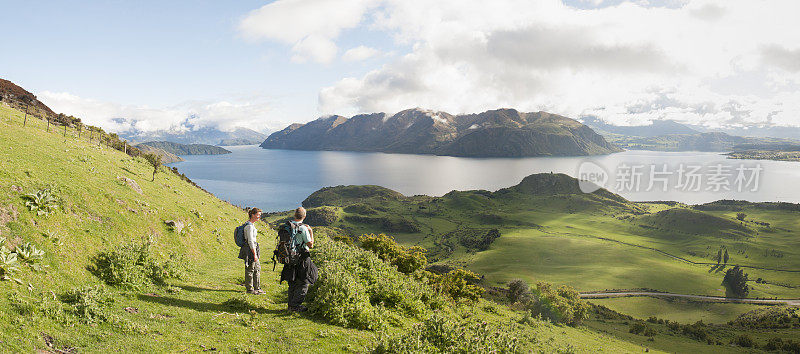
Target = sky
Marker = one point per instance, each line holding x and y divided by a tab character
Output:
264	65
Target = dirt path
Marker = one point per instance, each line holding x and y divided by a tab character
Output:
793	302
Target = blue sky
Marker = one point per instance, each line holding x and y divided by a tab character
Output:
267	64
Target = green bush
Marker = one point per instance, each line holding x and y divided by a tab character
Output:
561	305
134	265
406	259
439	334
458	284
744	340
518	291
322	216
42	202
357	289
769	318
89	303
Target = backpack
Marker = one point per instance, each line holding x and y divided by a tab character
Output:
285	248
238	235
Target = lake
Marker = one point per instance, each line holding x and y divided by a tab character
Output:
281	179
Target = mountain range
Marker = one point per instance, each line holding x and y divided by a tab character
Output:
658	127
494	133
188	133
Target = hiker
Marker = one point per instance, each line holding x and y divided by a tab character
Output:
304	272
250	252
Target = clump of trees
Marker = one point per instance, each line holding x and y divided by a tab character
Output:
736	282
741	216
561	304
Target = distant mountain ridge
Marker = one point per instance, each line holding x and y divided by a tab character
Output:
494	133
656	128
187	133
185	149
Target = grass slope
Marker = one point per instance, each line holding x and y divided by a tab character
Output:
205	311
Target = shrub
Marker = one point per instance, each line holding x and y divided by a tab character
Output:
458	284
519	291
406	259
561	305
89	303
322	216
439	334
357	289
744	340
769	318
637	327
696	331
133	265
774	343
42	202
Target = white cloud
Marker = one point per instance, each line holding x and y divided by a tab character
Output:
626	63
224	115
310	26
314	48
360	53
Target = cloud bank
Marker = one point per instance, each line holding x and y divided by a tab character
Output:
223	115
712	62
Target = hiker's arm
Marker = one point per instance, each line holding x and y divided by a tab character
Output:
310	242
250	238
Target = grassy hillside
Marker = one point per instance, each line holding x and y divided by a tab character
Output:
548	231
98	210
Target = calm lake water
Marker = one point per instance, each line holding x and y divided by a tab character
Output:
281	179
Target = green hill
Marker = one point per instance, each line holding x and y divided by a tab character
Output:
106	216
683	222
186	149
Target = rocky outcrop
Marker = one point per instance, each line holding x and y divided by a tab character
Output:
19	98
496	133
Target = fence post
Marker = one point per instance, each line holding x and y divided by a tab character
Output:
27	105
48	123
65	130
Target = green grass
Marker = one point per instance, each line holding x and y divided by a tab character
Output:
676	310
207	309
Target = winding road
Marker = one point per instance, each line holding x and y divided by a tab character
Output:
792	302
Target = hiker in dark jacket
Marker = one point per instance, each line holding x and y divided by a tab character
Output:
304	273
250	253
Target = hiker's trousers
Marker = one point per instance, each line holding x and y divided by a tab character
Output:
252	276
297	292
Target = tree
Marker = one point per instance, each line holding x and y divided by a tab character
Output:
78	126
155	161
725	258
719	256
741	216
736	281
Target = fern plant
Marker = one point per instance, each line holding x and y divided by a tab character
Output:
42	202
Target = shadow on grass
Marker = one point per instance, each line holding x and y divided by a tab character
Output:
195	289
234	305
